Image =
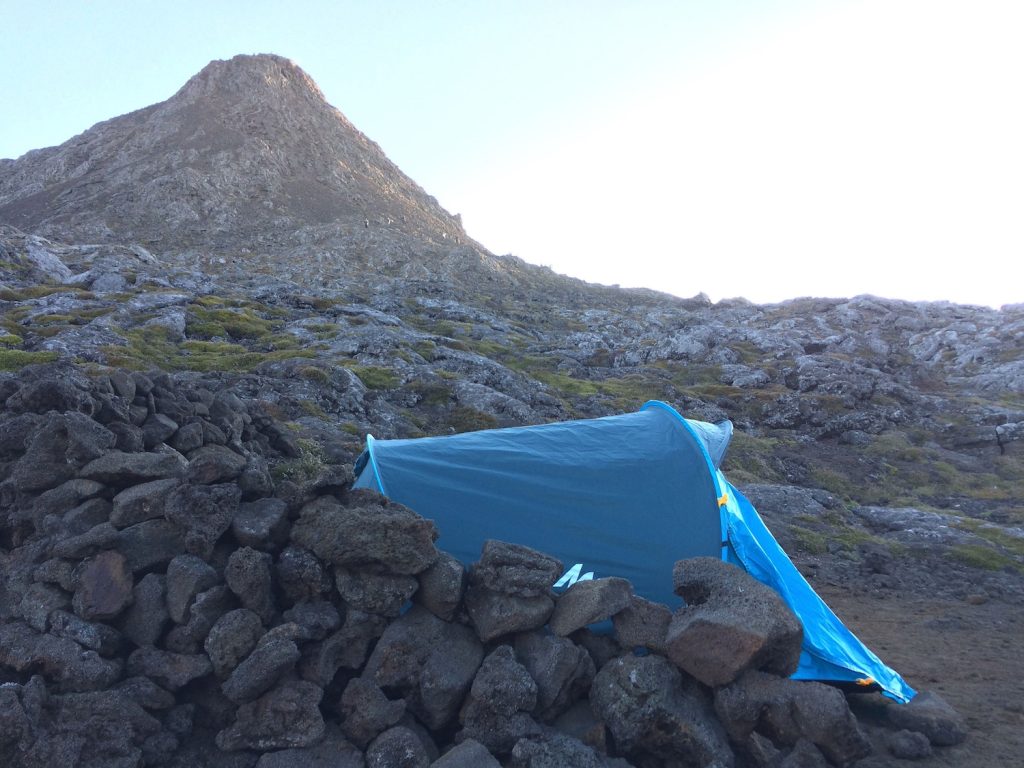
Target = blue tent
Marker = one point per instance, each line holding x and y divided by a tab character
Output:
621	496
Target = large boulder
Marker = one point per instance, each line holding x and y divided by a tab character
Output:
731	623
930	714
429	662
651	710
562	670
513	569
369	530
588	602
497	711
204	513
284	718
366	712
790	710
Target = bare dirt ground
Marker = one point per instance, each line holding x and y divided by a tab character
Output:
972	655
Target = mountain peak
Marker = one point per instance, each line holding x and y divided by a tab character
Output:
249	74
246	156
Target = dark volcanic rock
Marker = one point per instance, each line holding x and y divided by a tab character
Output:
367	712
513	569
334	751
286	717
269	661
250	576
382	593
170	670
397	748
469	754
187	576
261	524
345	649
94	730
123	469
731	623
495	614
551	749
369	531
909	745
208	606
788	710
562	670
104	586
231	639
141	502
427	661
315	619
928	713
502	695
147	618
651	709
204	512
588	602
95	636
149	544
642	623
60	660
301	575
214	464
442	586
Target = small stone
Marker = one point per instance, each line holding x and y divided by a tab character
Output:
121	469
150	544
204	512
231	639
930	714
187	576
249	575
104	586
909	745
170	670
366	711
258	673
642	623
442	587
384	594
147	618
214	464
141	502
286	717
469	754
261	524
397	748
156	429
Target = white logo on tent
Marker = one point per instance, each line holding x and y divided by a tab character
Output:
571	576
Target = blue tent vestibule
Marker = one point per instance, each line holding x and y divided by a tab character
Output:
625	495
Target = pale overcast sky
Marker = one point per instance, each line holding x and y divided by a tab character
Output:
762	148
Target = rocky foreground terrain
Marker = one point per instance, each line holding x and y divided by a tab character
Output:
285	290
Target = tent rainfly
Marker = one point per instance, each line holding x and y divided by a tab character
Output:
625	496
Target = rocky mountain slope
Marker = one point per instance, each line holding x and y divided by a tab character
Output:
244	237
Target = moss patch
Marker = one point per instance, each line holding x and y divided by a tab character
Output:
16	359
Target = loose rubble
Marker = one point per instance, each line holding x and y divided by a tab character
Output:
160	608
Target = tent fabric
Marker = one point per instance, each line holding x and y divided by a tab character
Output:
624	495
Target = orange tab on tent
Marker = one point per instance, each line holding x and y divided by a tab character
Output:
723	499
